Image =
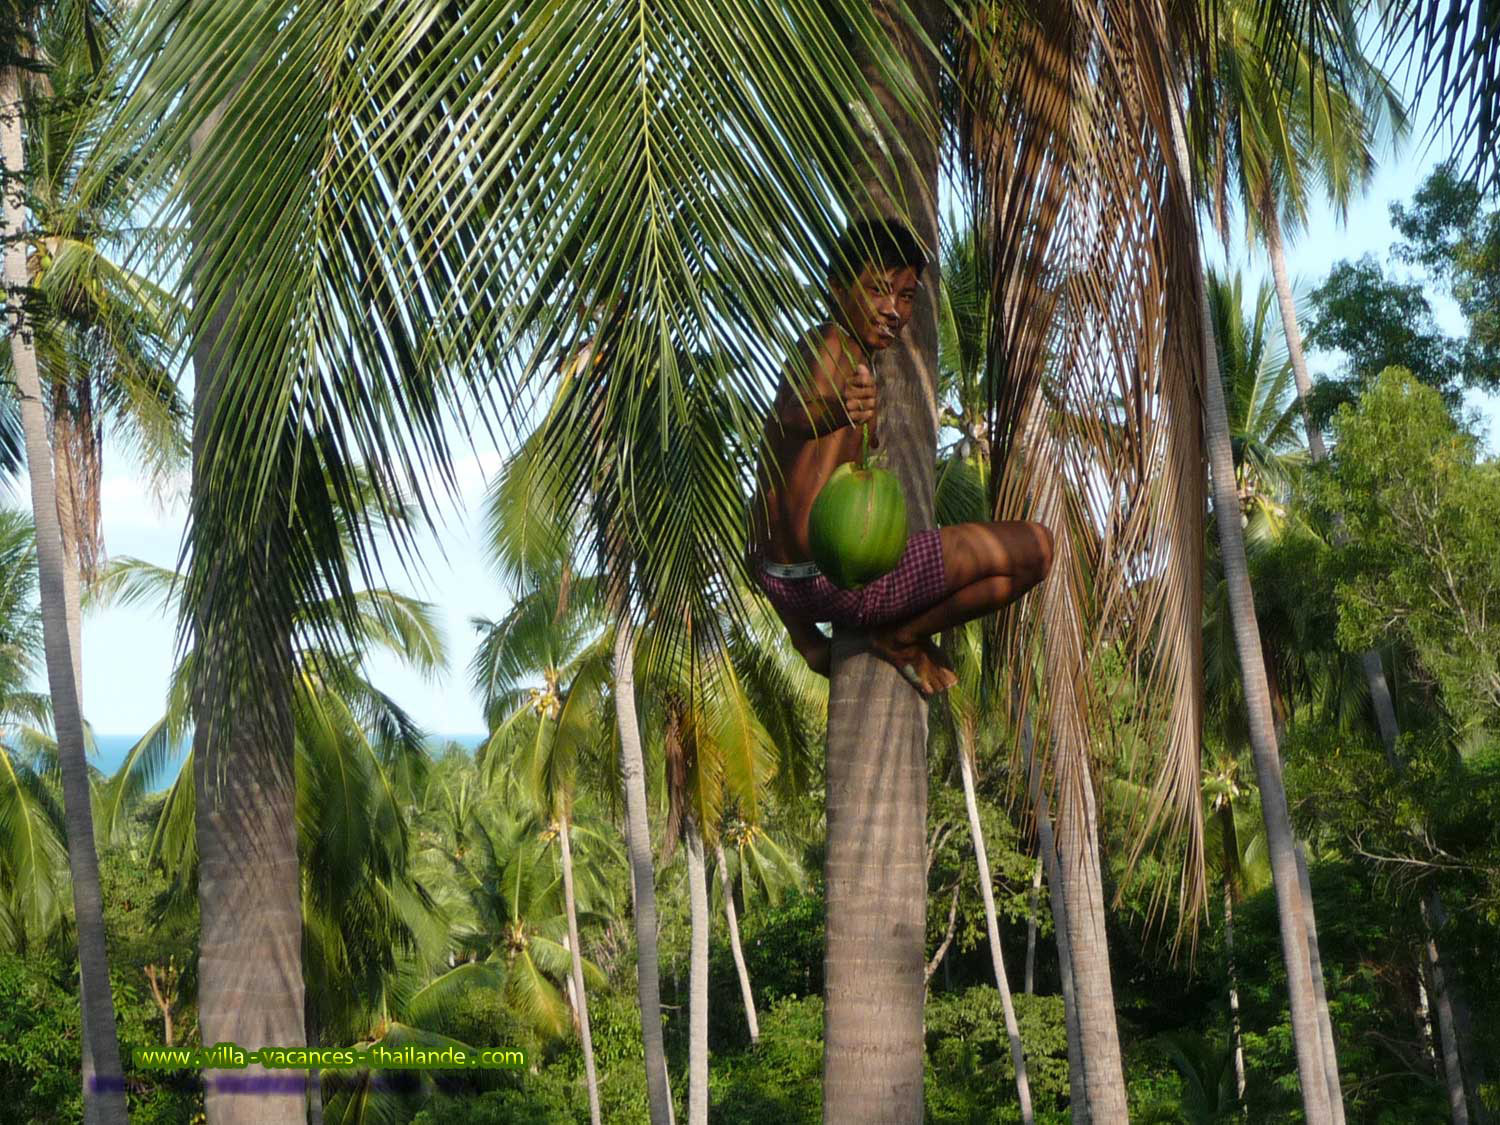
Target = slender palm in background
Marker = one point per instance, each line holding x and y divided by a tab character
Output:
18	82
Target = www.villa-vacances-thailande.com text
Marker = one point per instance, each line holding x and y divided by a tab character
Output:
230	1056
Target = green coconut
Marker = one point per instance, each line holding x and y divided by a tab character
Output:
857	526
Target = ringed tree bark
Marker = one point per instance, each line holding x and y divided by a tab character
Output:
103	1079
251	990
877	725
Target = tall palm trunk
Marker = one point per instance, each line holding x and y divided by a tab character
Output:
1458	1105
875	868
1272	225
1234	998
1448	1029
1289	905
1029	985
1325	1020
63	472
580	997
1424	1014
1380	693
251	990
638	842
697	979
992	925
734	944
1103	1089
103	1079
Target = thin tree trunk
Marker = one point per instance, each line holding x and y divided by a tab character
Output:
938	954
62	469
734	944
1325	1020
1279	841
1031	923
103	1079
1374	670
1272	224
1057	896
1458	1105
1234	1000
1104	1099
251	989
697	979
638	841
580	998
992	924
1451	1020
877	725
1424	1013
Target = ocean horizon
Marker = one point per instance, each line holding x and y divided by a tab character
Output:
110	750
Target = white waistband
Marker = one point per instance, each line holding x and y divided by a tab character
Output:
791	570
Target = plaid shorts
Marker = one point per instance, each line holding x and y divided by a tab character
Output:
917	582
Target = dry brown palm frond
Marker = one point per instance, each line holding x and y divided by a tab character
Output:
1091	378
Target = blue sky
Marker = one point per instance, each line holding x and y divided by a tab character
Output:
128	653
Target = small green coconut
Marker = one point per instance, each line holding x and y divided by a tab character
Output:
857	526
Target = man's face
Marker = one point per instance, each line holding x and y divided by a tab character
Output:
878	304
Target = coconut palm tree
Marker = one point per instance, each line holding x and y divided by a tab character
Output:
542	733
1291	908
1278	126
1241	862
359	905
103	1081
106	335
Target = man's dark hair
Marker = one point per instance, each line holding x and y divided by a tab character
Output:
887	243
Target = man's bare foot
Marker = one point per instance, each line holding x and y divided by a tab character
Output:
921	662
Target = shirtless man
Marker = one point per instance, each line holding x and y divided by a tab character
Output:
947	576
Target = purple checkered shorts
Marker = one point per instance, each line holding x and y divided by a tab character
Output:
917	582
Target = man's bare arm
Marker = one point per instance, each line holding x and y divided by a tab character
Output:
816	398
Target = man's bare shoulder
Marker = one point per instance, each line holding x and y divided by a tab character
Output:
817	352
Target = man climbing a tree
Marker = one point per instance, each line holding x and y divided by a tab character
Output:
827	395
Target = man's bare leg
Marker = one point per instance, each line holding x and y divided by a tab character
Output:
987	566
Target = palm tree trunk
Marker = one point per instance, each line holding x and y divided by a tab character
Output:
1325	1021
992	924
1460	1065
251	989
103	1079
638	842
580	1000
1272	225
1234	1000
63	471
1104	1097
1031	921
697	979
875	866
734	944
1424	1014
1277	816
1458	1105
1374	670
1057	895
